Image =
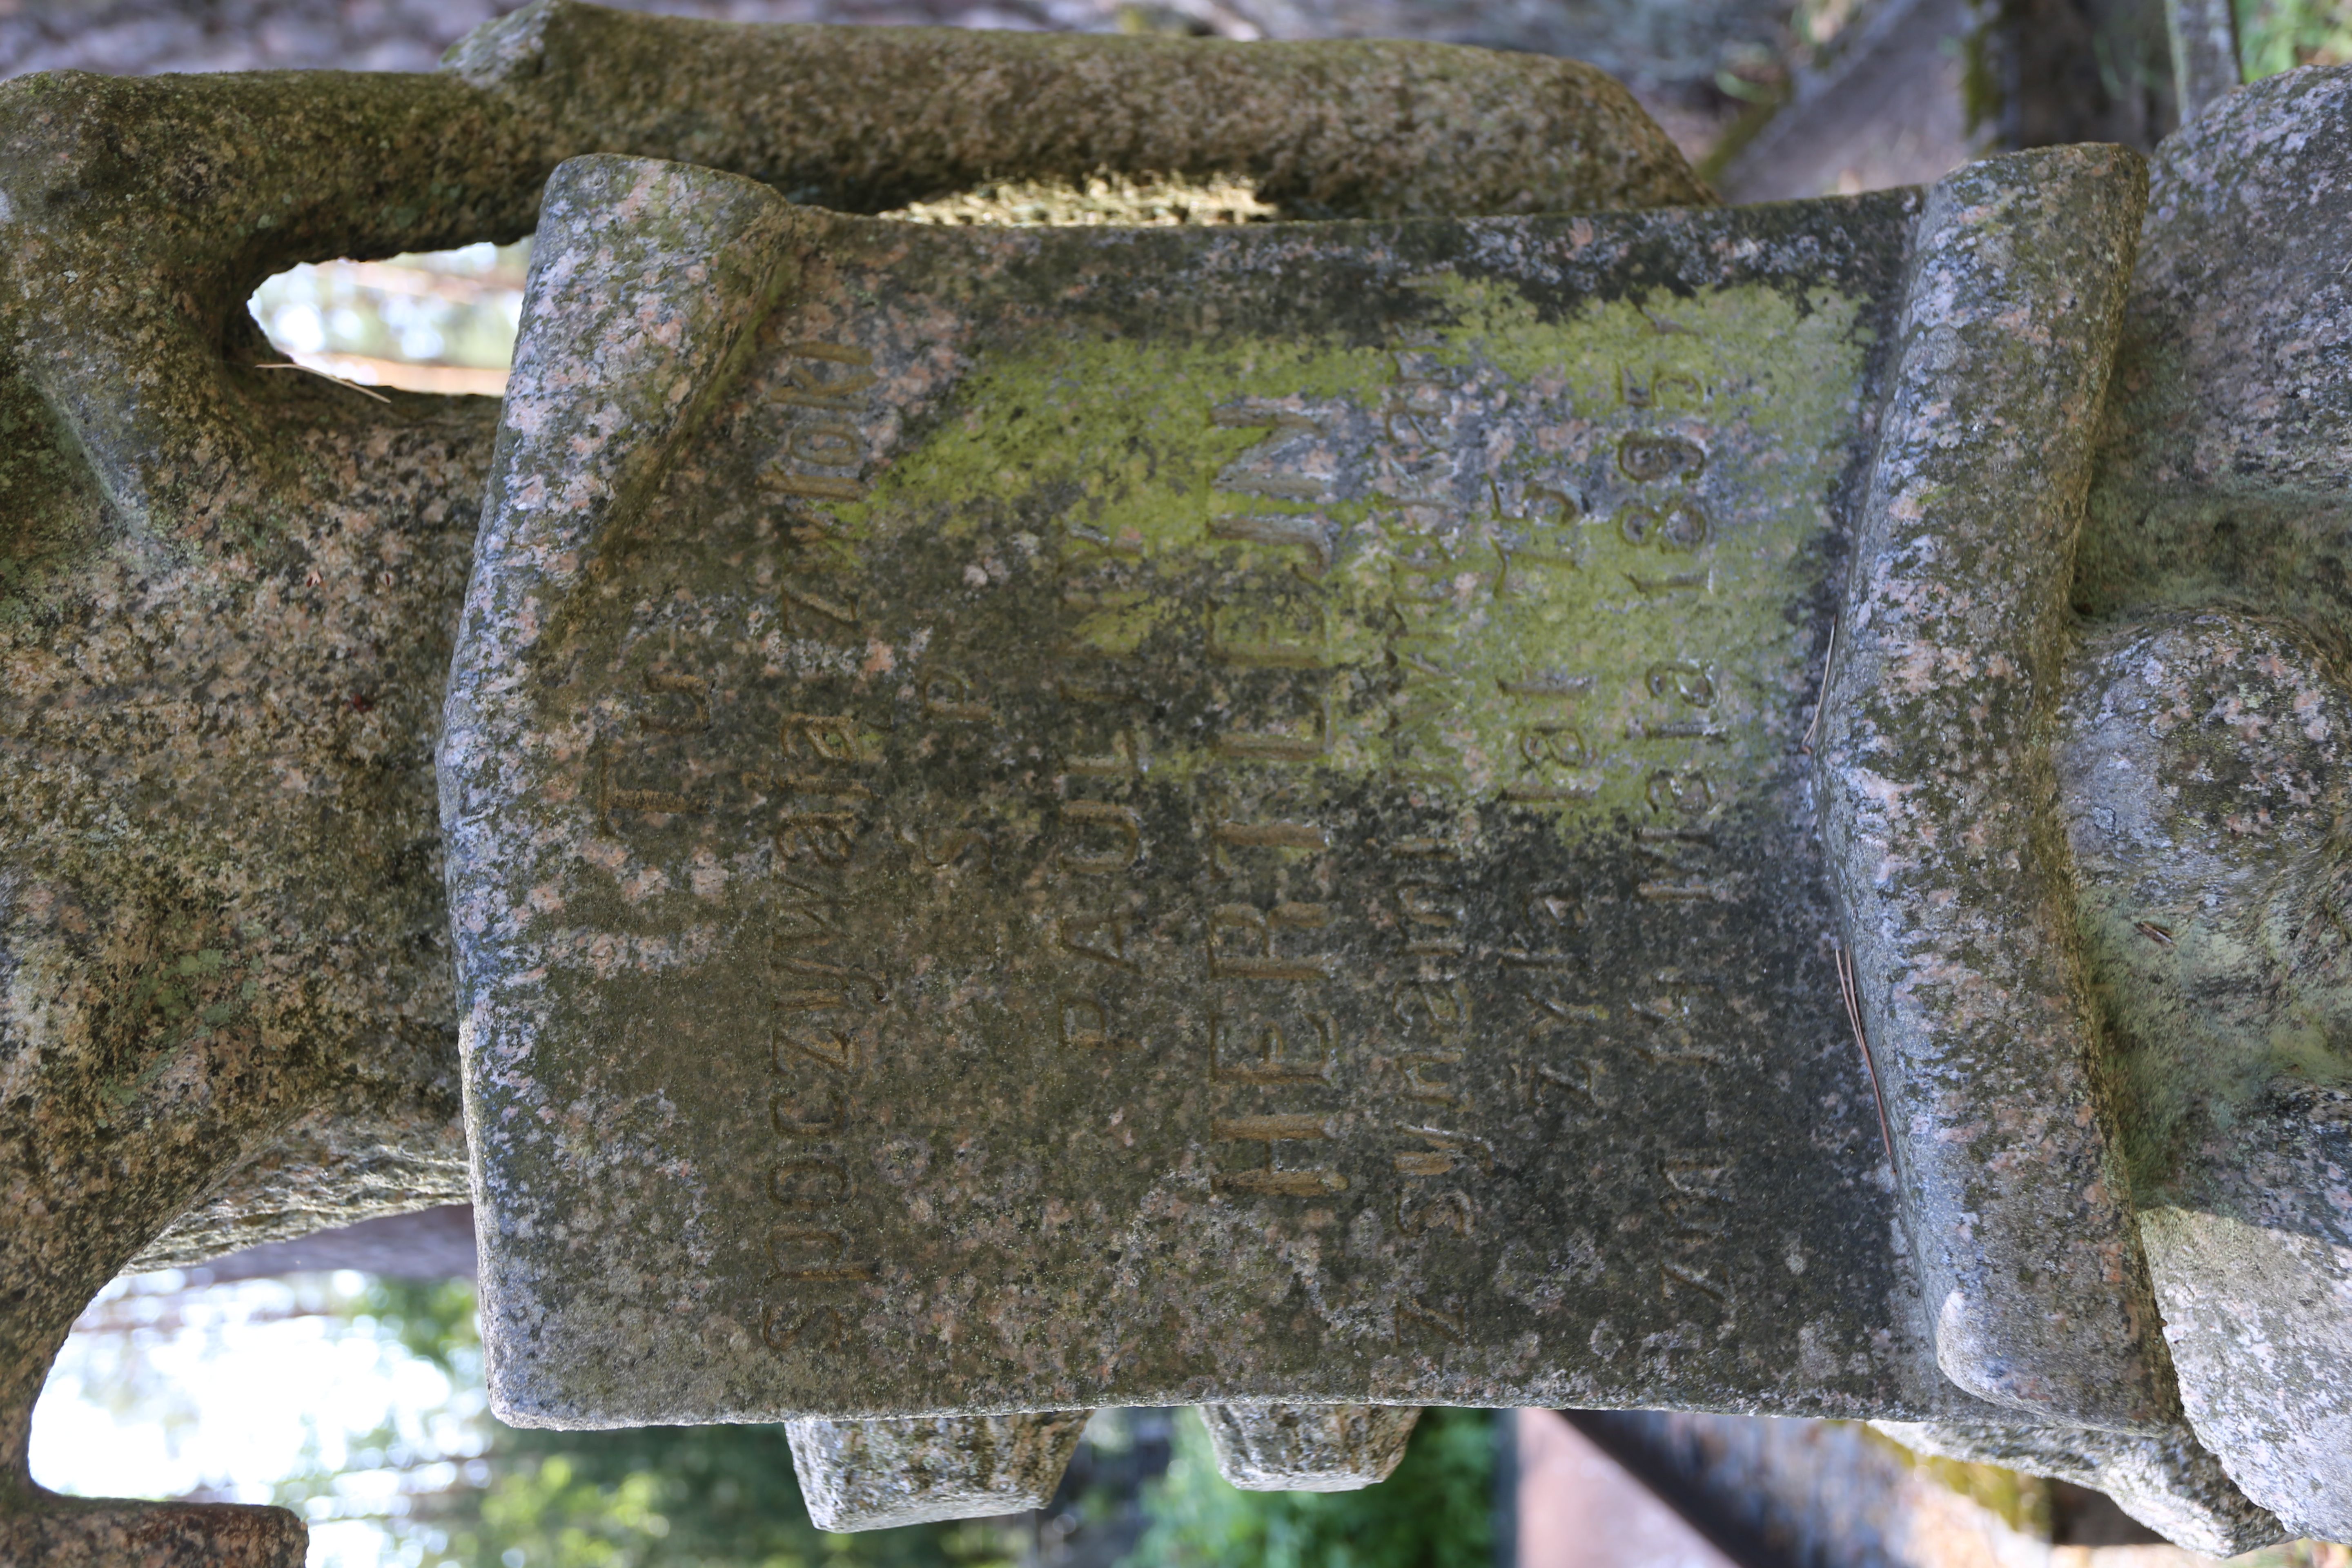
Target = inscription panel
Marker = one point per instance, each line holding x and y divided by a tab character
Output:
1224	814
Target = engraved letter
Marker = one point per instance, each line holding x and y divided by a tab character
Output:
1104	939
1258	929
1445	1151
669	720
1270	1180
1228	836
808	1183
1124	826
1085	1024
784	1327
1271	1061
813	1253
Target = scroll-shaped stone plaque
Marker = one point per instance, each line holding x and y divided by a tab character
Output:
1054	819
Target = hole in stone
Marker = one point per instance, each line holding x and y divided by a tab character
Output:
444	321
440	320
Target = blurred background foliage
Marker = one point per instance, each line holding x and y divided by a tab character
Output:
1144	1491
439	322
2274	36
1434	1513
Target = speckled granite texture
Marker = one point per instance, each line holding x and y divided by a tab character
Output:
1668	52
1064	818
2206	784
713	755
2206	776
878	1475
1939	799
81	1532
2166	1481
227	599
1308	1447
2225	459
228	593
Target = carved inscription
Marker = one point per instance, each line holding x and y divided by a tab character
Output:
1345	593
1273	1048
819	795
1459	535
1101	759
797	792
1133	809
1432	1010
826	387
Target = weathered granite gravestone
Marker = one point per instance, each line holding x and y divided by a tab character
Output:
1308	819
228	593
1060	818
1050	819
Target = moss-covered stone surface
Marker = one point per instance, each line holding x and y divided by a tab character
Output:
1063	818
1938	795
2206	781
1372	943
227	594
2207	784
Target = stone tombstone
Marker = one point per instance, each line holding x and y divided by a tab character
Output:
227	590
1050	818
1307	819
